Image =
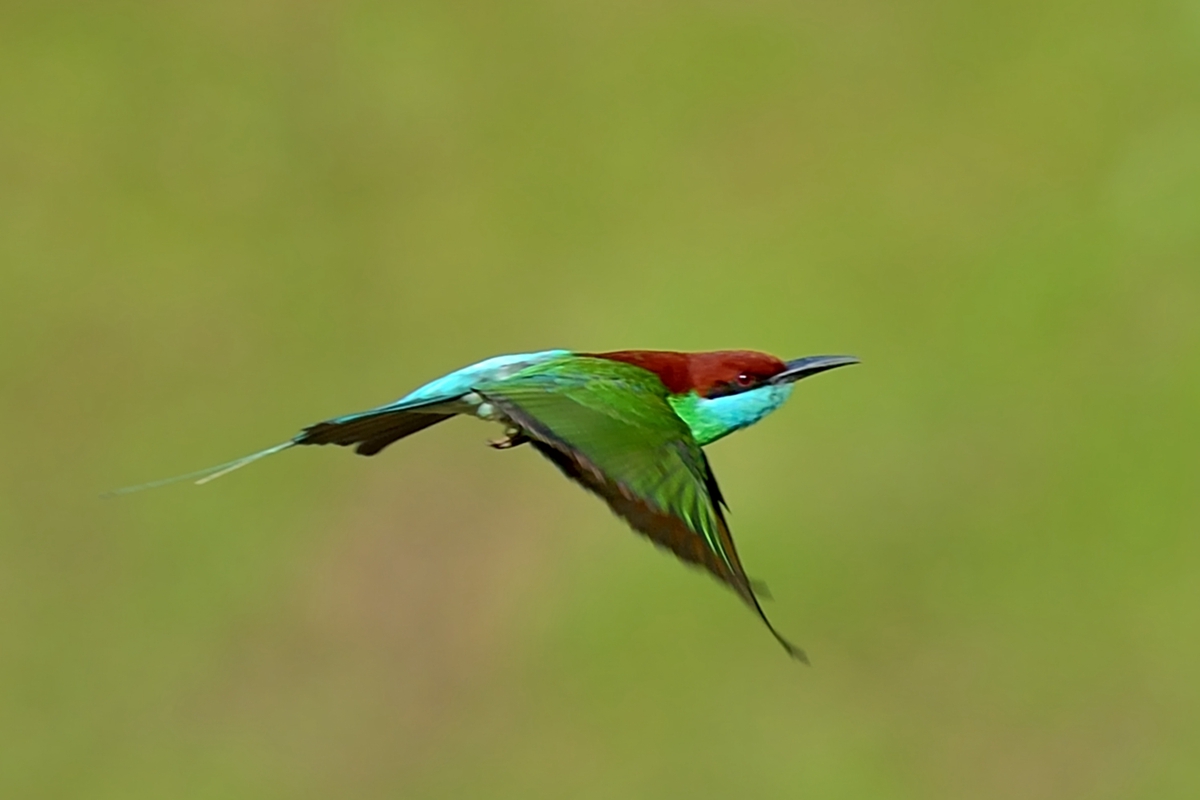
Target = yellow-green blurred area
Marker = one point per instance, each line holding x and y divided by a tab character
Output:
220	222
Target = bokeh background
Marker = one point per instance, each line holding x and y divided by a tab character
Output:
222	221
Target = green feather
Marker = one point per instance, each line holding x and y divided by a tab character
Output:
609	426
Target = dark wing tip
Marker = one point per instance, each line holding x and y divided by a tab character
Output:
747	593
794	652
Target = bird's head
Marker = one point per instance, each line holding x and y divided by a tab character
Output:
728	372
721	373
722	391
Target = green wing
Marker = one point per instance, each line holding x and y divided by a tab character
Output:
609	427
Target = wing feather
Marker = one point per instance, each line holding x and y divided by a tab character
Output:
639	457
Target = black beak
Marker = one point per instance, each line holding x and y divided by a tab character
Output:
811	365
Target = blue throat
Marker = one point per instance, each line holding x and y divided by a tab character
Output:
711	419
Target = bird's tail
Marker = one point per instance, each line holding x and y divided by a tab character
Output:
205	475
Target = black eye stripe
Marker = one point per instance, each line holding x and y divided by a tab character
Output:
733	386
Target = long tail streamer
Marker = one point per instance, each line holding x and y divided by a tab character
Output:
203	476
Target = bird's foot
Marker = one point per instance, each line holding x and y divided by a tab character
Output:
512	438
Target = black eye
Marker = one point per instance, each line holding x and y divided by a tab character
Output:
744	379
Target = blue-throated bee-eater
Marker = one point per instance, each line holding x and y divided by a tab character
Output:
628	426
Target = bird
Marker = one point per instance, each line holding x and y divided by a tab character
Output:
628	426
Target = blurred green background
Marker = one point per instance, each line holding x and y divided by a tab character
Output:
220	222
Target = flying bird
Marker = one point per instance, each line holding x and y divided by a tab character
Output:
628	426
